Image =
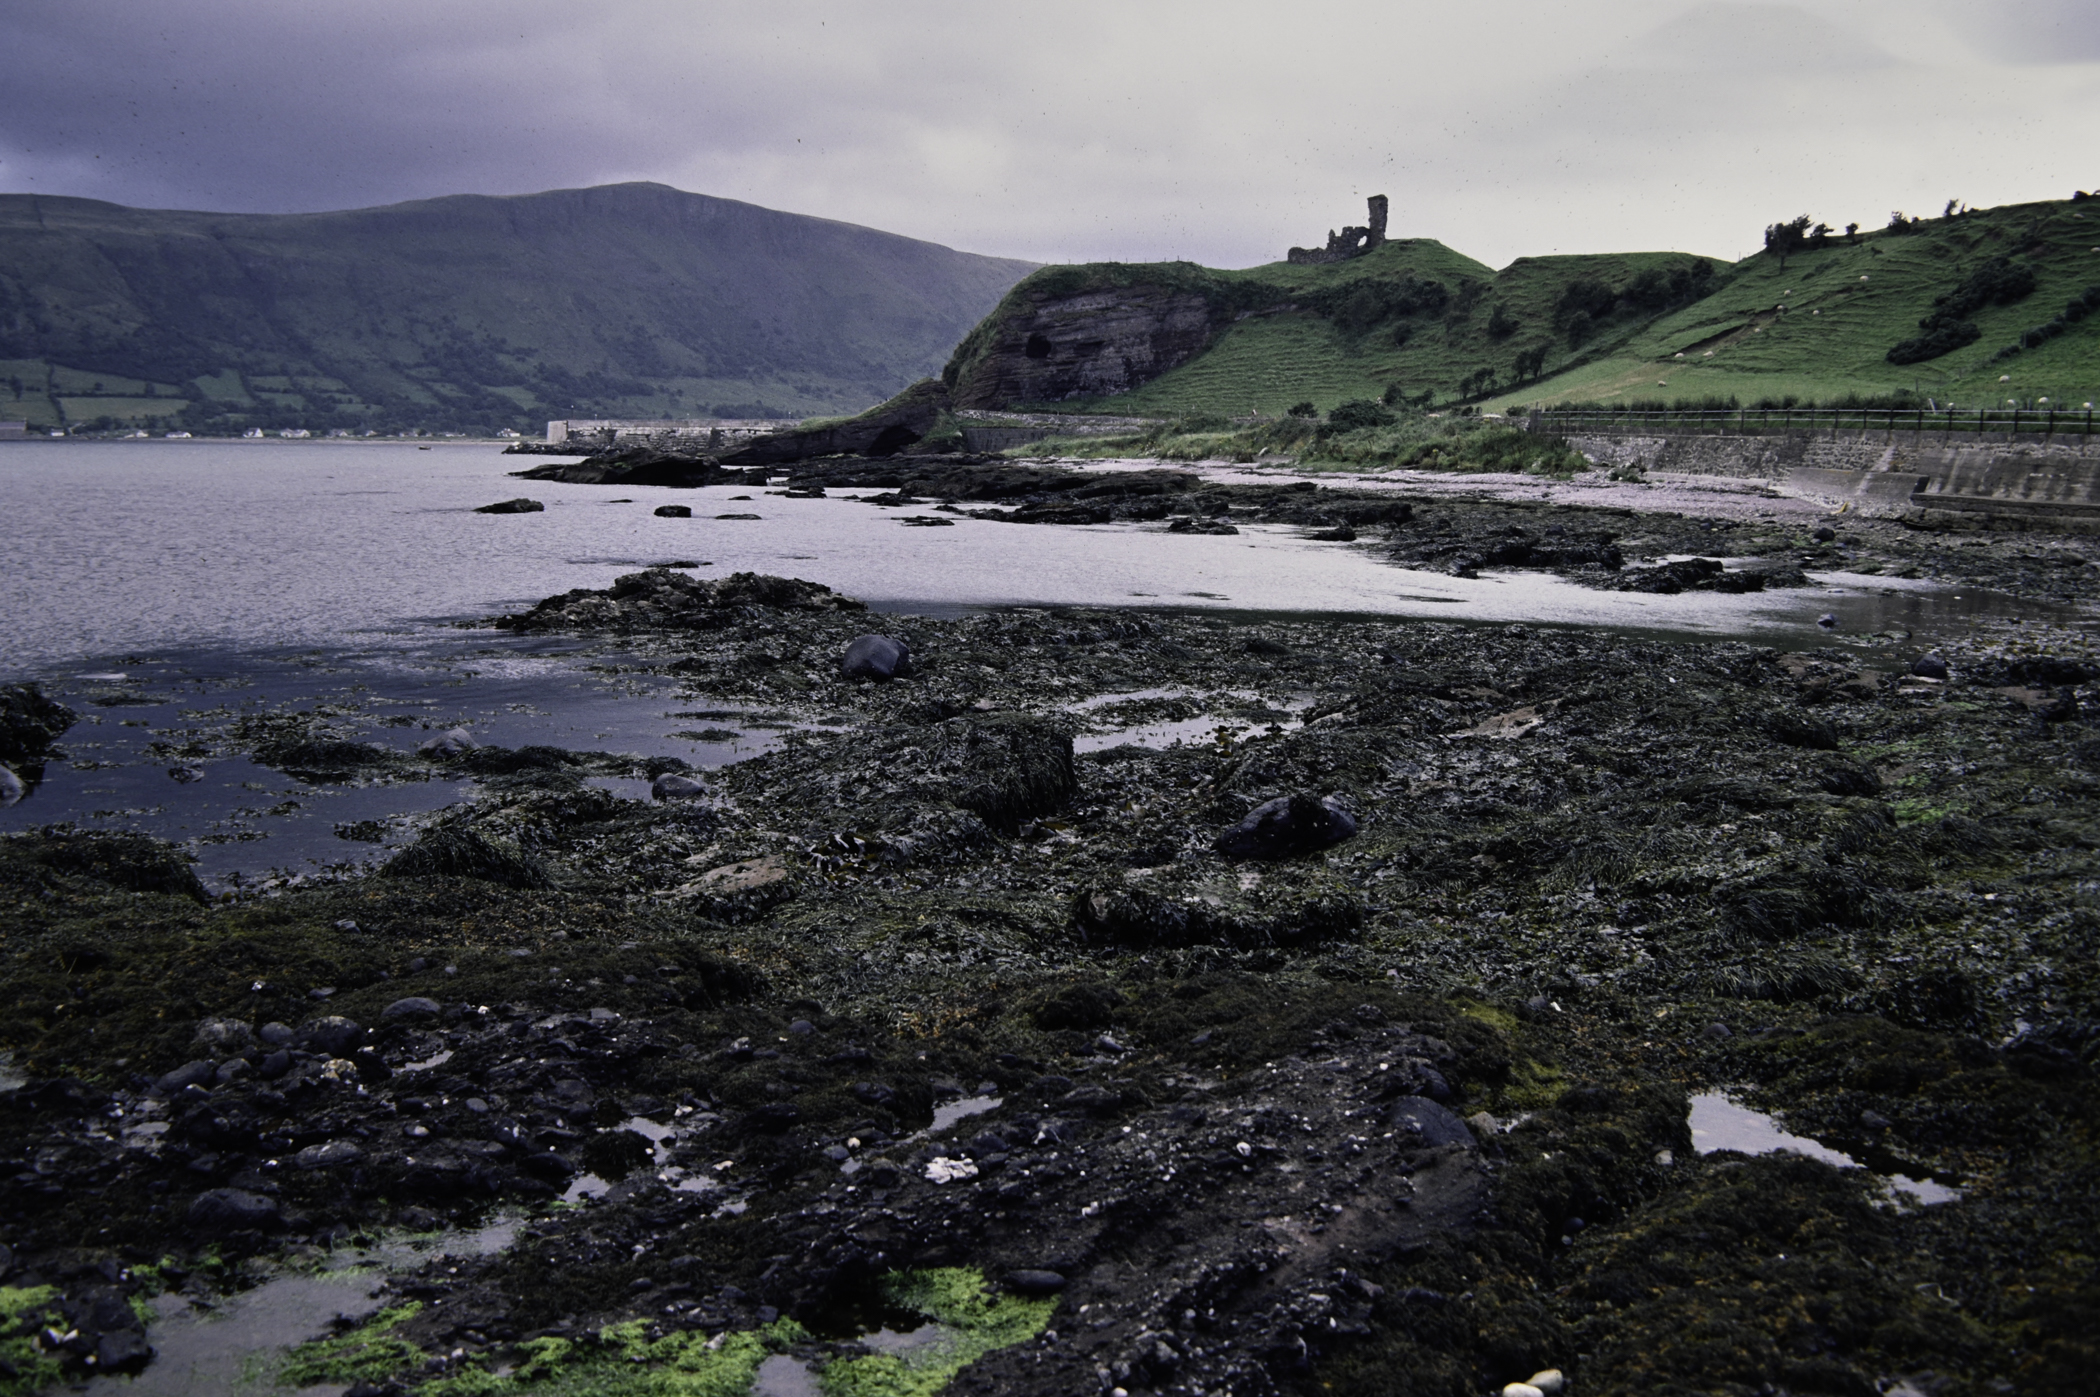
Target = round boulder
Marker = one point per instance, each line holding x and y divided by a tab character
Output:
448	744
1286	827
672	786
333	1035
673	511
190	1074
414	1009
1929	667
877	657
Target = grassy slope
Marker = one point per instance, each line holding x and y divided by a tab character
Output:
1837	329
1310	338
627	300
1833	338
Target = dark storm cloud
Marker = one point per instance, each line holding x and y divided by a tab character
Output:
1221	132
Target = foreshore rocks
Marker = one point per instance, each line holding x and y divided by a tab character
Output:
947	979
877	657
660	598
517	506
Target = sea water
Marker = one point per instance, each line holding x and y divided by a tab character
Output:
120	548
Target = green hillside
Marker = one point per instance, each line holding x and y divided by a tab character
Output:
1846	305
467	313
1411	316
1414	321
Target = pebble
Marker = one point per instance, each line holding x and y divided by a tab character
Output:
1521	1389
187	1075
943	1170
1549	1381
328	1155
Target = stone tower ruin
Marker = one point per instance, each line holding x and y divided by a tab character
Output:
1350	242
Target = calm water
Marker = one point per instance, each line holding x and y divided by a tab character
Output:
167	590
119	548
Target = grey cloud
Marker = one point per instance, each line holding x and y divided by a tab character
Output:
1221	132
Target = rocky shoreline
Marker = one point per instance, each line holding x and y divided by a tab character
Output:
968	1003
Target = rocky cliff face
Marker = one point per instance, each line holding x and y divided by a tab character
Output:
1093	344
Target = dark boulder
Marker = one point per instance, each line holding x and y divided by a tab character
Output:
673	511
1286	827
517	506
461	853
1425	1123
877	657
1031	1282
672	786
331	1034
1929	667
232	1210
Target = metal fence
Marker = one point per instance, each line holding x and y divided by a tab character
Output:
1989	421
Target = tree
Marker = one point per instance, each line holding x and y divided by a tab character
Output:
1783	240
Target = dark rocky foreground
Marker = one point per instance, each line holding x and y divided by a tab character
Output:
1402	1110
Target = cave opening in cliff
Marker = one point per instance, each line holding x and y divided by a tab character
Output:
1037	347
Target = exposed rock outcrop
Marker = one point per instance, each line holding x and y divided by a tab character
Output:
1046	347
883	430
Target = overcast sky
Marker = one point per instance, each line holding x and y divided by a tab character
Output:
1221	131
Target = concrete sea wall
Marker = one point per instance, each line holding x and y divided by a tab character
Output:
1931	477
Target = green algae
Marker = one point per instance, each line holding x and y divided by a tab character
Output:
23	1311
371	1352
973	1323
621	1360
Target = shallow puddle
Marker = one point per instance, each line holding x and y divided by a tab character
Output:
237	1345
1721	1124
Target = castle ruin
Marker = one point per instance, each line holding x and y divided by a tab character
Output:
1350	242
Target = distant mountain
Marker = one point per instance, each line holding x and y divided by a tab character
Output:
467	313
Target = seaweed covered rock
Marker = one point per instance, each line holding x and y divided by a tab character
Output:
664	599
1285	909
318	759
131	862
29	723
1014	767
462	853
517	506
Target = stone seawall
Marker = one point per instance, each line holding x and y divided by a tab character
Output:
1929	476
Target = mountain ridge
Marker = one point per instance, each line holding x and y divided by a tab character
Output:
467	311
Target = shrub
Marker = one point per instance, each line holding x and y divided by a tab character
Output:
1354	416
1302	410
